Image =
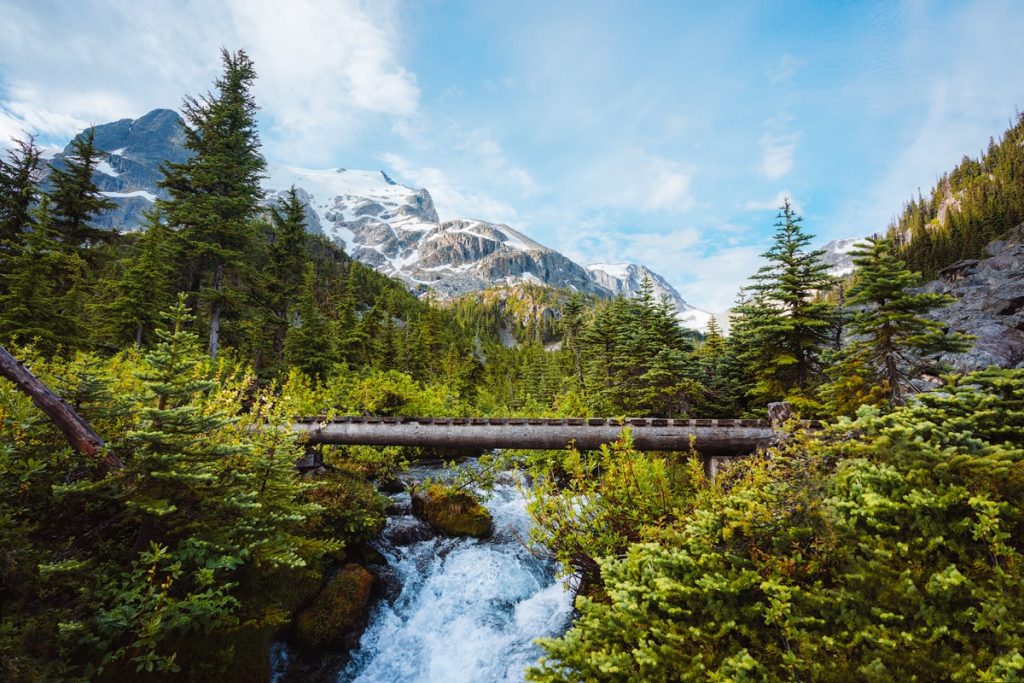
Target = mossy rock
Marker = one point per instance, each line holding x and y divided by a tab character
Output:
455	513
339	613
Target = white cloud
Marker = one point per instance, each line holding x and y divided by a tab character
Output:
778	146
479	143
325	66
450	201
777	155
784	69
774	203
636	179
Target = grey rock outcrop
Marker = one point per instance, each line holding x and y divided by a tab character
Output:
990	305
129	170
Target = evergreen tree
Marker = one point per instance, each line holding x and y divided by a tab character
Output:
32	306
572	327
212	505
19	192
287	257
890	335
348	331
787	320
309	344
636	358
144	287
76	200
716	372
215	194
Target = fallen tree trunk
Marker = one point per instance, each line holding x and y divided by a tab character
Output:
77	431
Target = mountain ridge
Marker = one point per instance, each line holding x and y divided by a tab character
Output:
387	225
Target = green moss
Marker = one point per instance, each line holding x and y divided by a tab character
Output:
456	513
338	614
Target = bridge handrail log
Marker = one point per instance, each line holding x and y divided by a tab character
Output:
712	436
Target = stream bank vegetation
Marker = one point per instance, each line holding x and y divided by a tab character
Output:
887	547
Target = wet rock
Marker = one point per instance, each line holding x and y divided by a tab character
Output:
392	485
406	530
366	554
455	513
339	613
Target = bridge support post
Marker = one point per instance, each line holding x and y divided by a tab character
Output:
779	413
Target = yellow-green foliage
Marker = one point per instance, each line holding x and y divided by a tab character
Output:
159	569
338	610
396	393
594	504
889	549
350	506
375	392
453	512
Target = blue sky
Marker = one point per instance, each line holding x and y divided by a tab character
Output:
659	133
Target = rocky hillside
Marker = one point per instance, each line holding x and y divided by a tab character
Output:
391	227
990	305
396	230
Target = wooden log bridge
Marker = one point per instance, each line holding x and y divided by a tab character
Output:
712	437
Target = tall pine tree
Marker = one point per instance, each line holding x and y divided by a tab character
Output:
32	306
309	344
19	192
144	286
215	194
891	337
788	321
76	200
287	255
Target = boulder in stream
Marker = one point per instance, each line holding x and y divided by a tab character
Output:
339	613
452	512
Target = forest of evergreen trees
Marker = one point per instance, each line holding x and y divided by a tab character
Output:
887	548
976	203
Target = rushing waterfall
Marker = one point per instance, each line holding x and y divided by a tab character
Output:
459	609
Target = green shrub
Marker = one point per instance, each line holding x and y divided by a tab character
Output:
888	550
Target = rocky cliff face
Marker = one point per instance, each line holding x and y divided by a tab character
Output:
130	169
396	230
990	305
391	227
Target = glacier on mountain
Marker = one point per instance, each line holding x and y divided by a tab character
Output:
386	225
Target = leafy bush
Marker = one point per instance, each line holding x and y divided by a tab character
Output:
595	504
888	549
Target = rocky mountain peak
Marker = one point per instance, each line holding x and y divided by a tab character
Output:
385	224
626	279
838	255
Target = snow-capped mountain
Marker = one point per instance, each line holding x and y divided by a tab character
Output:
130	169
625	279
837	256
389	226
396	230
